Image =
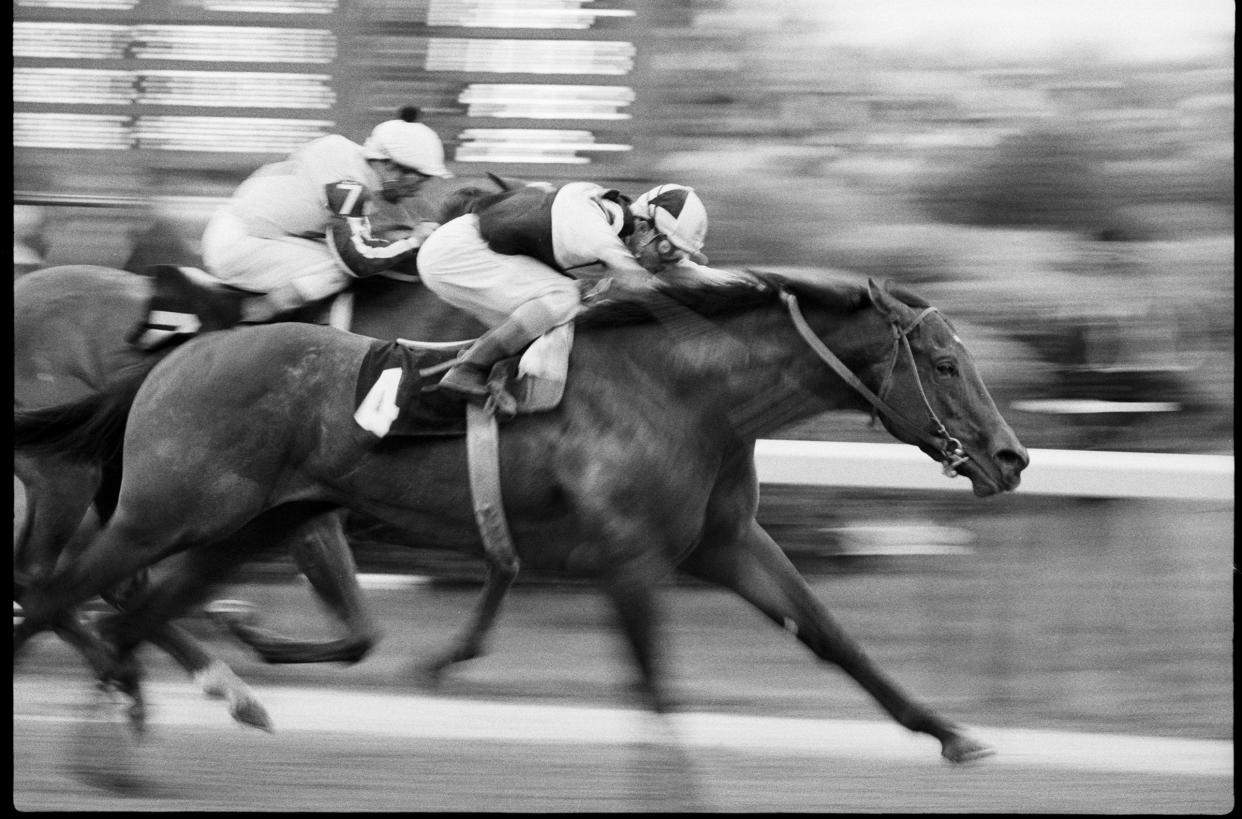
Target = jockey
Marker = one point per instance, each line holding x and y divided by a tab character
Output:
270	236
512	263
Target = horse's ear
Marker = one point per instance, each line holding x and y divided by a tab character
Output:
508	183
501	182
880	297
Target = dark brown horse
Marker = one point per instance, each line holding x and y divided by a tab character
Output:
646	466
70	329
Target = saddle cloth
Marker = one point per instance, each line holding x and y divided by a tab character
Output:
391	399
390	393
184	302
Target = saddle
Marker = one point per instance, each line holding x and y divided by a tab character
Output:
186	301
395	392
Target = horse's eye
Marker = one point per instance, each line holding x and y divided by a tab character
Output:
946	368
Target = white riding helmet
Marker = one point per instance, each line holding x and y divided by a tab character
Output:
678	213
407	142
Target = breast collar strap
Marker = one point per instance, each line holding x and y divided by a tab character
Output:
952	455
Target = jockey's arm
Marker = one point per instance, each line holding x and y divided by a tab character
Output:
349	234
688	271
623	268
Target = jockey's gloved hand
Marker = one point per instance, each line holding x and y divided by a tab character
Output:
618	287
394	190
593	291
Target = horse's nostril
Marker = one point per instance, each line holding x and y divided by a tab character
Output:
1013	460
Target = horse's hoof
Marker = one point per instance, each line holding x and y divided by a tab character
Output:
137	714
963	749
232	612
430	677
251	712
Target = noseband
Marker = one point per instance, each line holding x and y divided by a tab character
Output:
952	455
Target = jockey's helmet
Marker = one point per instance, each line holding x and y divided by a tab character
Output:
676	212
401	140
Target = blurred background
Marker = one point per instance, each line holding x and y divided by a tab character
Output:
1057	176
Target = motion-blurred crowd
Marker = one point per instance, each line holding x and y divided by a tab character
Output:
1073	215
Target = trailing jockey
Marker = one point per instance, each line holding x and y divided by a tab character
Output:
270	236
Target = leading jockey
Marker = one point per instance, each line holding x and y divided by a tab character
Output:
270	236
512	263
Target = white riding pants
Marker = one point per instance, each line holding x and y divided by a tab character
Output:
457	265
292	270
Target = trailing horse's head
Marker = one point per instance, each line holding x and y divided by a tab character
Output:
933	396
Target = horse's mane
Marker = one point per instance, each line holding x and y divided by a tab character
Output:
736	293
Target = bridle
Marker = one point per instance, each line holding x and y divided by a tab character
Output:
952	455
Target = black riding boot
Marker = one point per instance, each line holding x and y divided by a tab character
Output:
469	375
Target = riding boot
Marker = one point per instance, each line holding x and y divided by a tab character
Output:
469	375
262	308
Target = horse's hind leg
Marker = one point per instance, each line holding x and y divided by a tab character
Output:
754	566
173	592
121	549
469	643
58	496
199	569
322	552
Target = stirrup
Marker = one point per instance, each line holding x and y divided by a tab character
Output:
458	382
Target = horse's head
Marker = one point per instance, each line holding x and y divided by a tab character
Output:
932	396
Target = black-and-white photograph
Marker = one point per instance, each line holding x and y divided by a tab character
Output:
623	406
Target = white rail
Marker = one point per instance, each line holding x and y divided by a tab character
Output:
1052	471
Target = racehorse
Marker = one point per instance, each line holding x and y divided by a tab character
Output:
646	465
70	329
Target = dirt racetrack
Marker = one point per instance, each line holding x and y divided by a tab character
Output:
1091	643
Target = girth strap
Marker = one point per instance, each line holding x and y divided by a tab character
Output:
483	457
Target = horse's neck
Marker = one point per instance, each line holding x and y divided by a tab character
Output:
752	367
782	362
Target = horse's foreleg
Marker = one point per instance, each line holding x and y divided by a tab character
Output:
322	553
665	779
632	590
469	643
754	566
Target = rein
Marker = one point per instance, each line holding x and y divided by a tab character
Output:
952	455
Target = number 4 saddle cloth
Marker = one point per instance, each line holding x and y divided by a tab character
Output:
395	389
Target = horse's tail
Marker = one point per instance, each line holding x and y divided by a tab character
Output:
91	429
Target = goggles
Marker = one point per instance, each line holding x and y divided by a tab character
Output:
665	249
405	184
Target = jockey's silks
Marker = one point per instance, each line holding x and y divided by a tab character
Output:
564	228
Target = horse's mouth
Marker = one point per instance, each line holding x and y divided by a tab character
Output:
983	483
